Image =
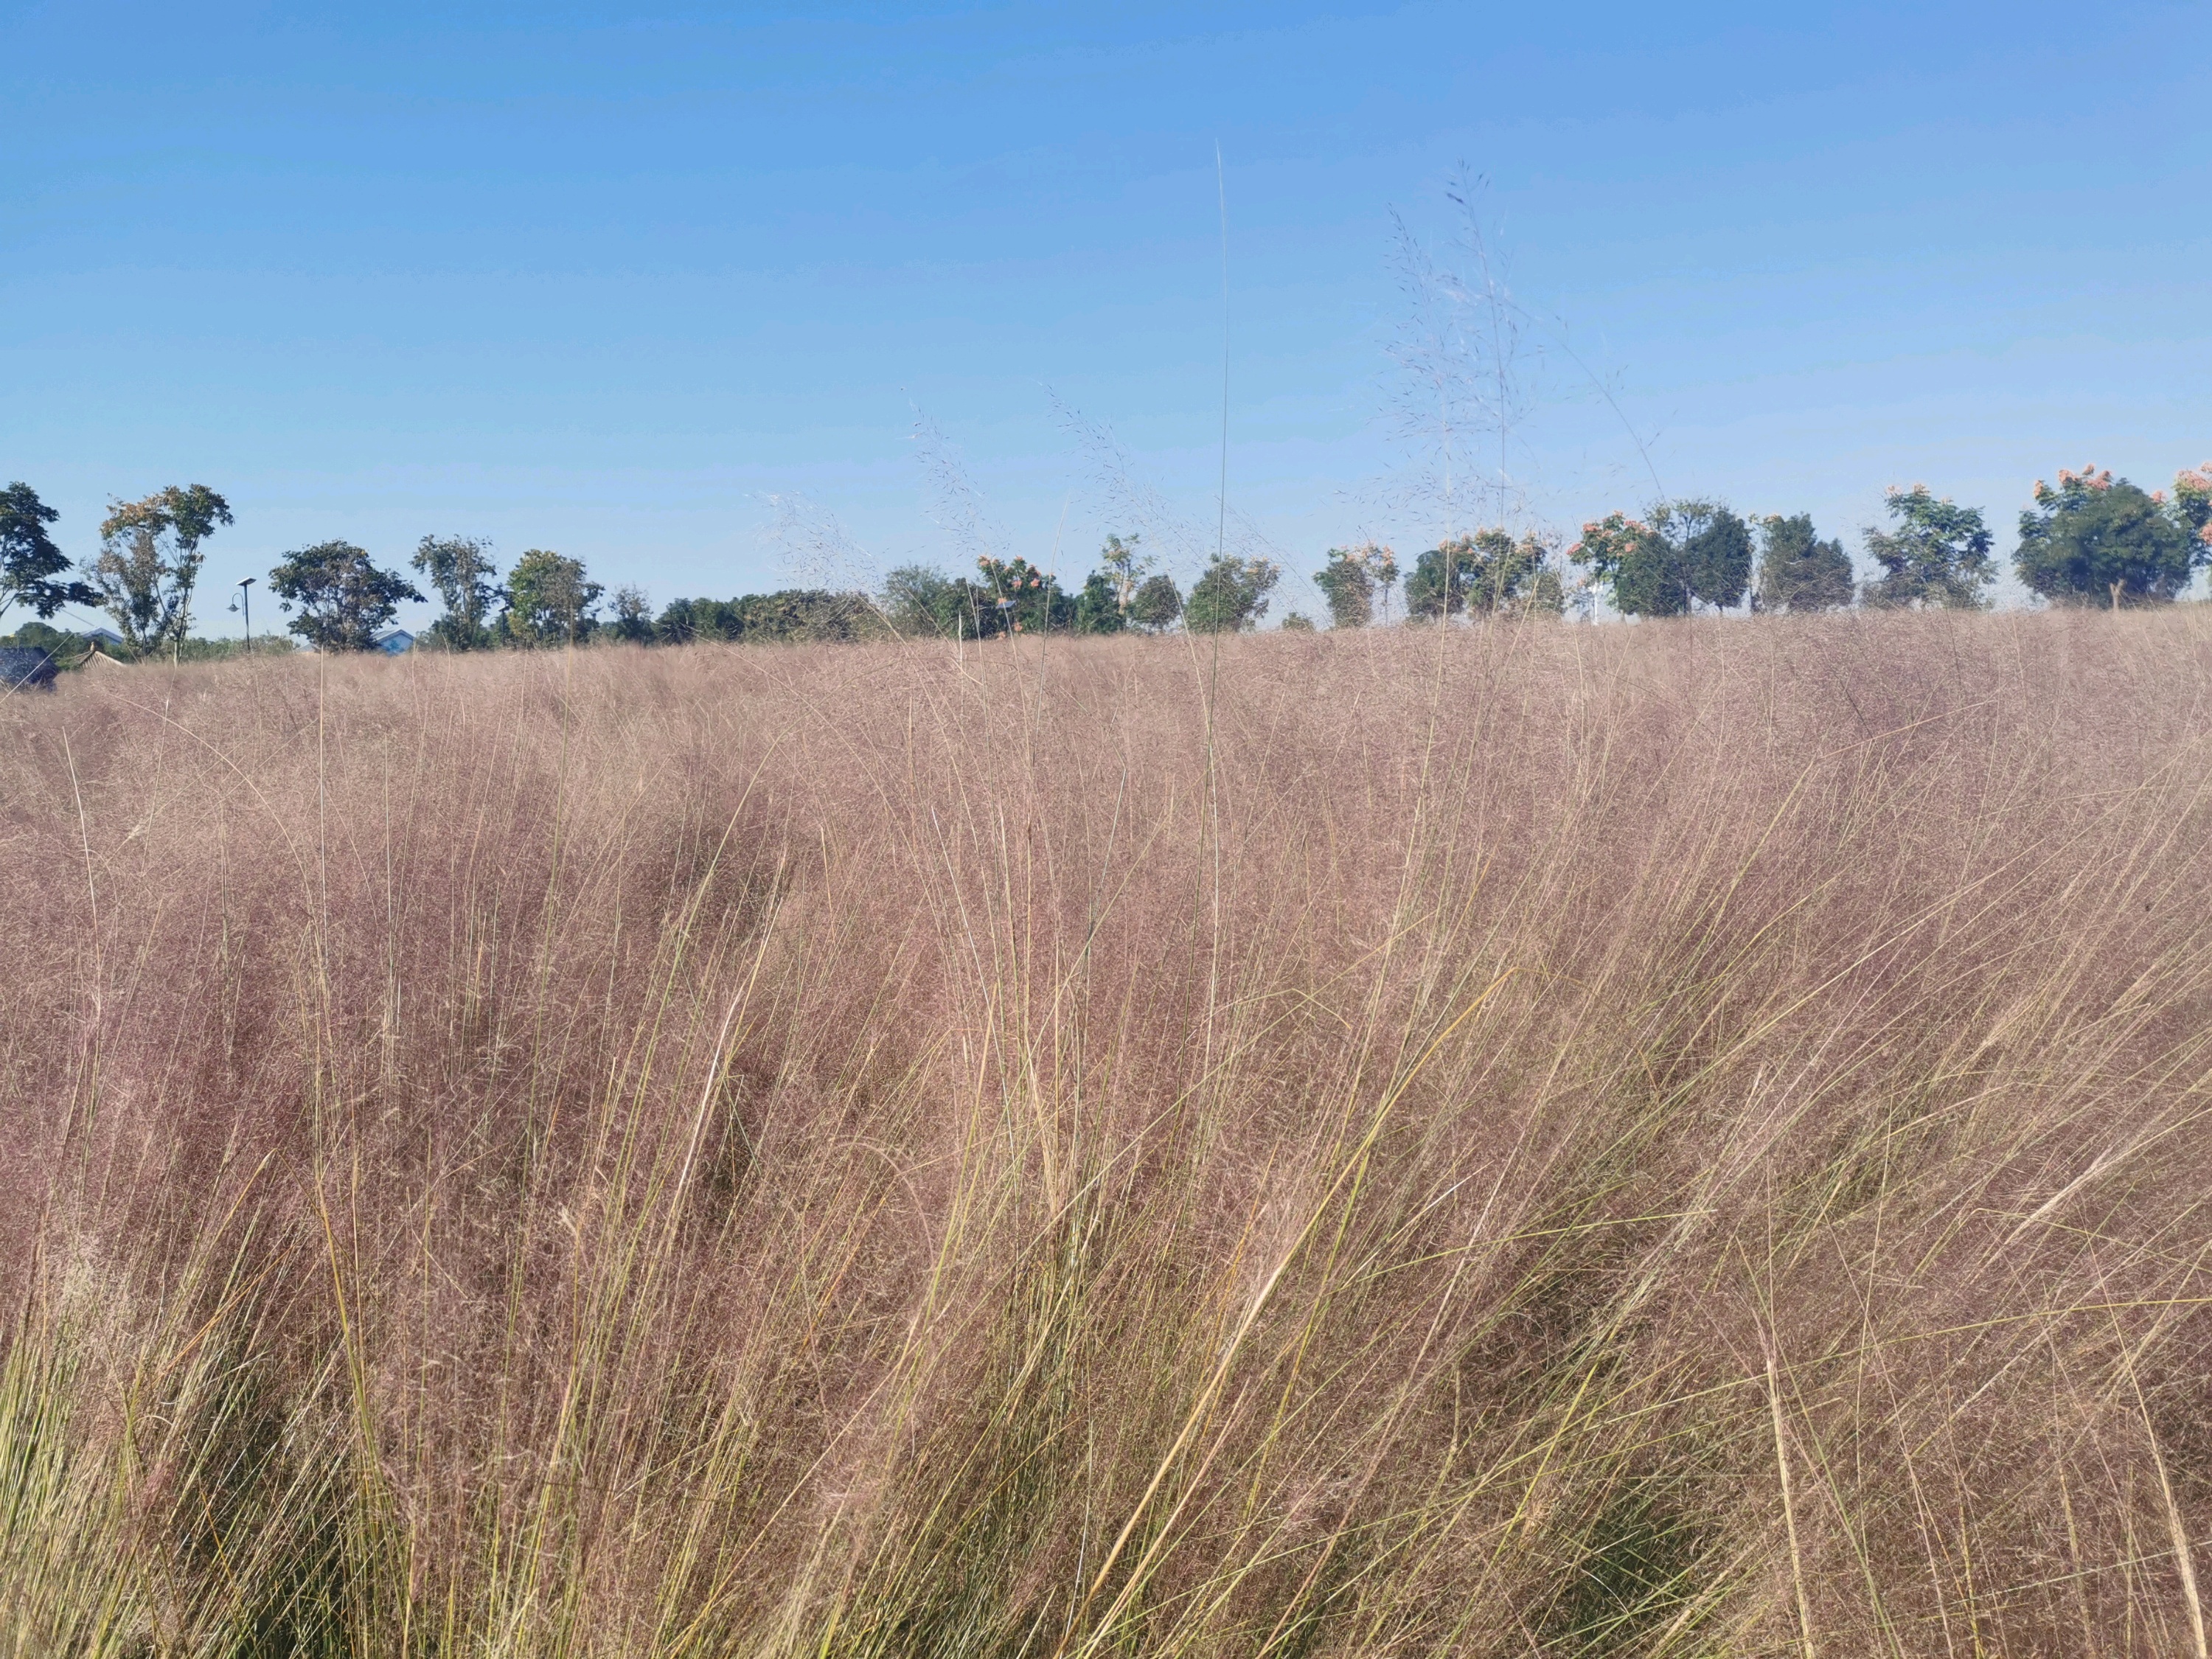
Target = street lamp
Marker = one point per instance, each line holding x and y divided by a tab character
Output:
245	604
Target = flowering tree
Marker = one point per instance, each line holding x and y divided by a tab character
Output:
1486	571
1937	556
1015	597
2192	501
1684	552
1635	564
2098	540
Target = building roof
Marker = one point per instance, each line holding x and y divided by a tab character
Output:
24	667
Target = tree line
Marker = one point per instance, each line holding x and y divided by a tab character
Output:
2091	539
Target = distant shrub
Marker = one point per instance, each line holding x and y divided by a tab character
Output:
792	615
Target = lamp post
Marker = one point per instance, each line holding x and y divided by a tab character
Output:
245	604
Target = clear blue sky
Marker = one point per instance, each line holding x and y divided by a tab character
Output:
602	278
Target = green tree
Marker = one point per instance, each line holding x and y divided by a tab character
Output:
632	623
150	561
2097	541
1352	580
30	564
344	601
1231	596
1544	594
676	625
1798	571
1297	622
1711	548
460	568
796	615
1015	597
1437	584
550	601
923	602
1156	604
1125	570
1638	567
1486	571
1936	555
1098	608
792	617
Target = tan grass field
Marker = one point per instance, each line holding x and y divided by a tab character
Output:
1684	1139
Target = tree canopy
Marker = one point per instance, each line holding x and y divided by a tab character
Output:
1711	546
460	568
632	622
1636	565
2102	541
1937	555
150	561
550	600
922	602
790	617
1486	571
343	600
1231	595
1798	571
1351	579
1157	604
1124	568
1687	552
1016	597
1099	607
31	565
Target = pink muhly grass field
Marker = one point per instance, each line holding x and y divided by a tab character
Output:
1682	1140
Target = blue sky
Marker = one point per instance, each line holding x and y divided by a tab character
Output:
613	279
